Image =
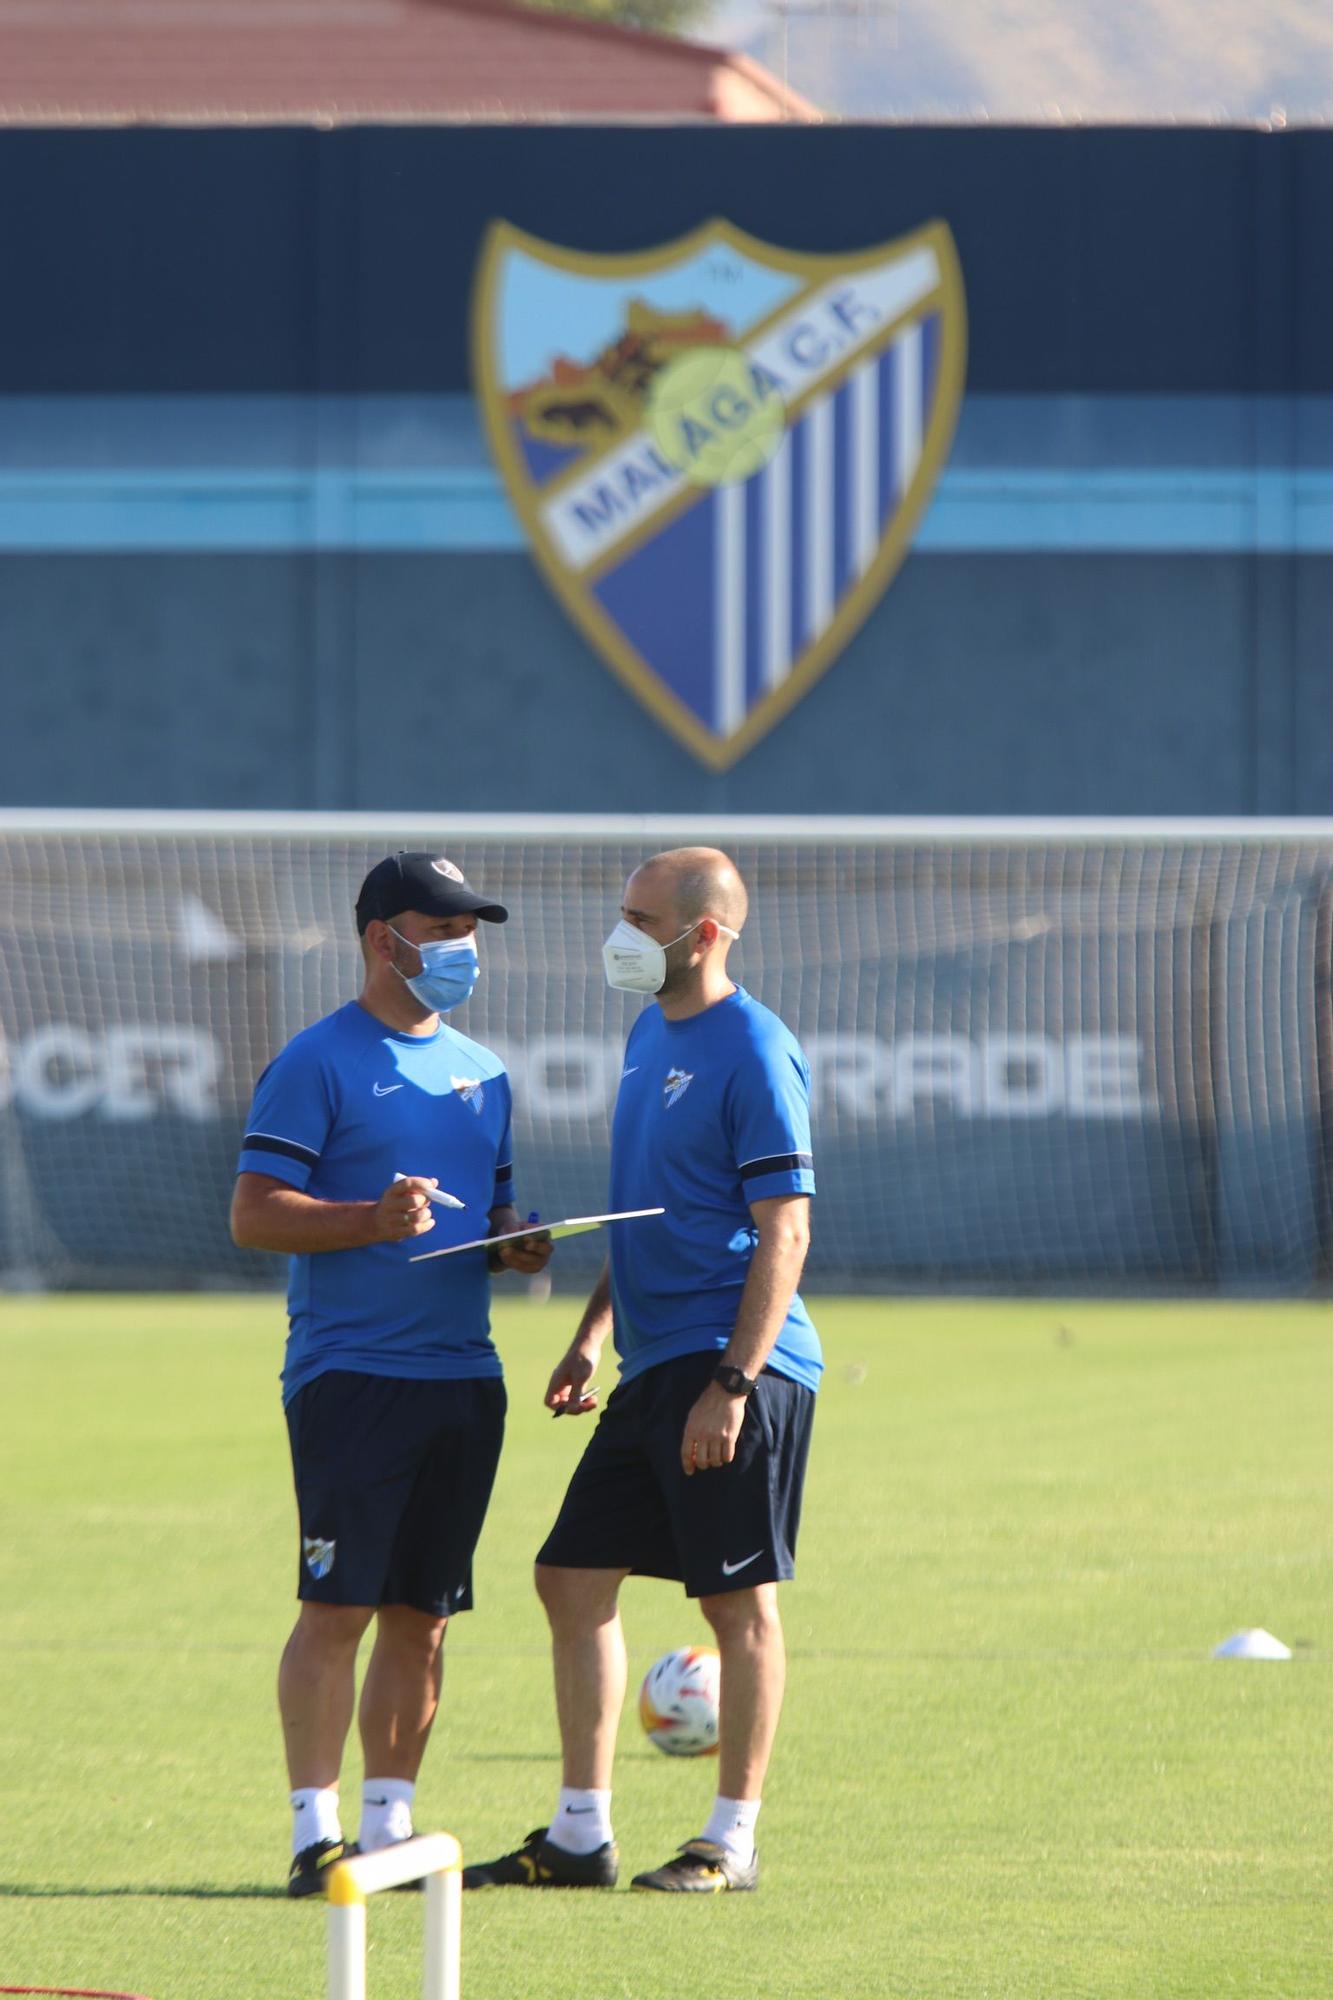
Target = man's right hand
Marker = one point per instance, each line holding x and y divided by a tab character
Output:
404	1210
566	1392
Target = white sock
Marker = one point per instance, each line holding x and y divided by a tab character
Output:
386	1812
731	1824
582	1821
314	1817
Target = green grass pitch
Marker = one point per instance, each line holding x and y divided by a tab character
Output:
1008	1770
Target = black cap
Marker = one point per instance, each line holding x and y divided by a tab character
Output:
425	882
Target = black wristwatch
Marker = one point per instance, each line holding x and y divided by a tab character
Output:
734	1380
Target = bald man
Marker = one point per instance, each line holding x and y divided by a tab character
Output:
696	1467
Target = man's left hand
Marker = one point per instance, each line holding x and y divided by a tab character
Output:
528	1254
711	1430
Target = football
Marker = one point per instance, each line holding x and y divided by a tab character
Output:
678	1702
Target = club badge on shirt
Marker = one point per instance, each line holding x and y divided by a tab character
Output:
677	1083
469	1088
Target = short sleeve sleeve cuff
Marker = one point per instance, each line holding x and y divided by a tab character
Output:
504	1186
778	1173
281	1159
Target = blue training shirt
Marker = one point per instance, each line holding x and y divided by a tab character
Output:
346	1105
713	1113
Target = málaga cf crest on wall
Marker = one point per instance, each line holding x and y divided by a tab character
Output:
720	450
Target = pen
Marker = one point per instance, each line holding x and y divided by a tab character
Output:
436	1194
562	1409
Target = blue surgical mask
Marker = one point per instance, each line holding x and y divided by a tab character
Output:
449	971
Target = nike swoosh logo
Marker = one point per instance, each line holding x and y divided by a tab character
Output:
730	1569
574	1811
377	1802
385	1089
628	1072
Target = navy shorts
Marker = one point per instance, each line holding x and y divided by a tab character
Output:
393	1479
630	1505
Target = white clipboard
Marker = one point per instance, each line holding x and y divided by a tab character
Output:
573	1225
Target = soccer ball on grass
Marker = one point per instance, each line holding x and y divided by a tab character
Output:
678	1702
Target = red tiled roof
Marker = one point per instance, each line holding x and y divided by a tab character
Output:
356	61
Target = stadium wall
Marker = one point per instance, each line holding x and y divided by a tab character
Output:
254	553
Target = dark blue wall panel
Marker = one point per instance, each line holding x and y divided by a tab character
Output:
1095	260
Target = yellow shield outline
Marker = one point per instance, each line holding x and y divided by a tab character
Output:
719	753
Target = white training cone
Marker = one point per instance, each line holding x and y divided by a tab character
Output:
1252	1644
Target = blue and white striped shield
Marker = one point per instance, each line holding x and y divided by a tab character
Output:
719	450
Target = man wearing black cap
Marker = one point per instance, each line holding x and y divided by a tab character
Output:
392	1387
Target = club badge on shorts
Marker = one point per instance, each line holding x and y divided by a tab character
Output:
720	450
318	1555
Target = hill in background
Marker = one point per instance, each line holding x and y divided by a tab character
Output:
1039	60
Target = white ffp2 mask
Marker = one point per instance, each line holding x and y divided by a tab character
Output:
636	963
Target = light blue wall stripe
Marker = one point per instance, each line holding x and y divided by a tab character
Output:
271	474
317	510
1015	511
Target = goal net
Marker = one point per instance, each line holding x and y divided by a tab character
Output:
1057	1053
